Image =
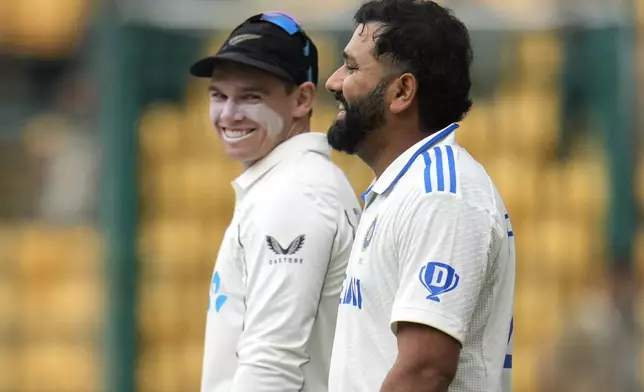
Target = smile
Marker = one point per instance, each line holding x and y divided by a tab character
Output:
236	134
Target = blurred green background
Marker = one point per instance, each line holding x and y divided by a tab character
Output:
114	193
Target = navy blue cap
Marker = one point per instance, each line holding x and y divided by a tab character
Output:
272	42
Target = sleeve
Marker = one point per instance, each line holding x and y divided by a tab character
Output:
442	245
287	248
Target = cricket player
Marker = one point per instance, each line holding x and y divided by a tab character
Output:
280	268
427	303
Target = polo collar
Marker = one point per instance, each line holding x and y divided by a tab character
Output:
397	169
304	142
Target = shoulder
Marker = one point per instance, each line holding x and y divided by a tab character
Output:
317	177
304	188
446	181
448	172
438	170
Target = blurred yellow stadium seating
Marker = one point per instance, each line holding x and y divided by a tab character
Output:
43	28
60	366
160	132
171	368
8	302
71	307
539	58
53	300
10	368
159	305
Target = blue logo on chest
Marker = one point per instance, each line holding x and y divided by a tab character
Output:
438	278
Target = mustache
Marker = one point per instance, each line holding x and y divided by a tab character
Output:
340	98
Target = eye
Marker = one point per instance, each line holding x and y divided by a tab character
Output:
350	68
251	97
216	95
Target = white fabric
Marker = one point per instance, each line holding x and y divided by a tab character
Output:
433	247
280	267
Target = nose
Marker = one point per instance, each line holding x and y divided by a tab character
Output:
231	112
334	83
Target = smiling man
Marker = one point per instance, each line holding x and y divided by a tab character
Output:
428	299
279	272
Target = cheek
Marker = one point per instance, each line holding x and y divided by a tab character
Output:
350	88
215	111
266	117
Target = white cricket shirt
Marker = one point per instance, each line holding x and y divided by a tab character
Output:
279	272
434	246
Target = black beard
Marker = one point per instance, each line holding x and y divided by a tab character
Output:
362	118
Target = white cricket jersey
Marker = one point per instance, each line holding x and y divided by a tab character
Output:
279	272
434	246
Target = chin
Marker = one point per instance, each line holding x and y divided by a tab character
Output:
237	155
340	138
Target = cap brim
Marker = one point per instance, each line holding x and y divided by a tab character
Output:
205	67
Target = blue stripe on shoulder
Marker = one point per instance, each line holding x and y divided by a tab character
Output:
439	169
428	172
443	167
451	164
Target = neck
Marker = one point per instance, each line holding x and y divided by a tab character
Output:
299	126
380	153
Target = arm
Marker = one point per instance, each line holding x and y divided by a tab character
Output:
442	245
287	245
427	360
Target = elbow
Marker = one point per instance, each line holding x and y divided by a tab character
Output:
434	379
421	379
438	381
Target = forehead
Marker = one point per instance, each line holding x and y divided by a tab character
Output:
361	44
238	76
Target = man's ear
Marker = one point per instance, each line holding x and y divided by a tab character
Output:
404	92
304	99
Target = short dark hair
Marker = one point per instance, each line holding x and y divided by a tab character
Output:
427	40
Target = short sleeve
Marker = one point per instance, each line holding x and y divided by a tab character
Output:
442	243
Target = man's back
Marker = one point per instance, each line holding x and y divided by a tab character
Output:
280	268
415	260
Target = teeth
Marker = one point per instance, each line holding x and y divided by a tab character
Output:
342	109
237	133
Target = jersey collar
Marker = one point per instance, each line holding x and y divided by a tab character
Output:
397	169
305	142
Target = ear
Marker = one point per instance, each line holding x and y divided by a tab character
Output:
404	92
304	99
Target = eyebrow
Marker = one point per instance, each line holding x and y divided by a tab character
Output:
347	57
